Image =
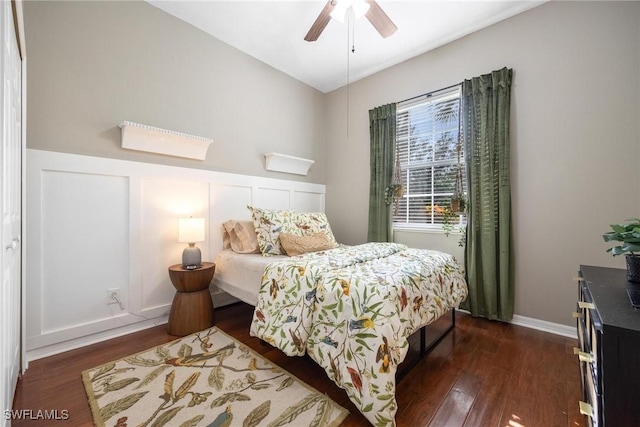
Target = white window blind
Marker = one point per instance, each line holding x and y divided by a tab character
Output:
427	142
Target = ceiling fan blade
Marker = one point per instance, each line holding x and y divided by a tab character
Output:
380	20
321	22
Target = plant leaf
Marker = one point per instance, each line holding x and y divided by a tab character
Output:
216	378
260	386
139	361
323	414
294	411
229	397
193	422
110	409
162	353
168	384
287	382
118	385
103	370
152	376
257	414
185	350
167	416
187	385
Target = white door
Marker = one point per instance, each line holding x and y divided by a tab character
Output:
11	160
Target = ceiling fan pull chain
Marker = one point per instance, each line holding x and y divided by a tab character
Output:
353	34
348	70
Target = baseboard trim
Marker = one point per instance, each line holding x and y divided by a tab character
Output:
50	350
219	299
543	325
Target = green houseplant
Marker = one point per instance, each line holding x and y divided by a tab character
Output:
628	234
449	218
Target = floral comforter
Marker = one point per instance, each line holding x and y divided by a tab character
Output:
352	309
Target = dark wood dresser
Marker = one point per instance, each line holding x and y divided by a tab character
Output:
609	348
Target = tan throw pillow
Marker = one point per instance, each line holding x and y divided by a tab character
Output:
297	245
240	236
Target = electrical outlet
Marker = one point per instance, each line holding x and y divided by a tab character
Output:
113	296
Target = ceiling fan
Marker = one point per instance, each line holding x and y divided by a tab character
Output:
338	8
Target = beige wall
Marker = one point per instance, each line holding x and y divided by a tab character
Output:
575	138
95	64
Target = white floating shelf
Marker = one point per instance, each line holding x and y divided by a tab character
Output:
155	140
285	163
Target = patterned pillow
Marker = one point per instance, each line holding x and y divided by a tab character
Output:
270	223
297	245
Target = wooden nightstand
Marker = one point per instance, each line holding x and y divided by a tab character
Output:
192	307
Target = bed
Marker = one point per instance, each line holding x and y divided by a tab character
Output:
350	308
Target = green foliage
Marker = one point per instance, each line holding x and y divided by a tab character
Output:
393	193
449	218
628	233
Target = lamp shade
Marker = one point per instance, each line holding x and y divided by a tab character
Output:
190	230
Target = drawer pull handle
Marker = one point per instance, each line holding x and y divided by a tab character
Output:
586	409
583	356
576	315
587	305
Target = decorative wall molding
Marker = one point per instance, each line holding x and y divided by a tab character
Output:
71	262
543	325
288	164
140	137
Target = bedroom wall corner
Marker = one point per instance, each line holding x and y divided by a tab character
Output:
575	137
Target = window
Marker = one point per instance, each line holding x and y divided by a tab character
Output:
428	153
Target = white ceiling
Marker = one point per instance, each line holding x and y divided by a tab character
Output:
273	32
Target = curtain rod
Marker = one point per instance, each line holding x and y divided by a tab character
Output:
429	93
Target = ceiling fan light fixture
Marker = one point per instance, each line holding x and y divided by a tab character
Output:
340	10
360	8
343	7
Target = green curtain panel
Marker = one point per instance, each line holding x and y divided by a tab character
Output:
382	129
489	258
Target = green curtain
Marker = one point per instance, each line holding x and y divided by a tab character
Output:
489	258
382	130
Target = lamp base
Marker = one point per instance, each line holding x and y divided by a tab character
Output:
191	257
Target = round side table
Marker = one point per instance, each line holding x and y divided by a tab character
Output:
192	307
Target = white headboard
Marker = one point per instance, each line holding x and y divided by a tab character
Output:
94	224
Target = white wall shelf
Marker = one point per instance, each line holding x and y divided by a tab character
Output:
288	164
140	137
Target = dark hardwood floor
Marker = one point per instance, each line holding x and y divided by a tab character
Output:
482	374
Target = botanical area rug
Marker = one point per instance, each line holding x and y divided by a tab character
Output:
204	379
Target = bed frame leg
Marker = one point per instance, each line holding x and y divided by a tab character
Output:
423	344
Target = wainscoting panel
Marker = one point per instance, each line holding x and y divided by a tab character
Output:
304	201
84	242
163	202
95	224
272	198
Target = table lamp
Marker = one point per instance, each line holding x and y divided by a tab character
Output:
191	230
